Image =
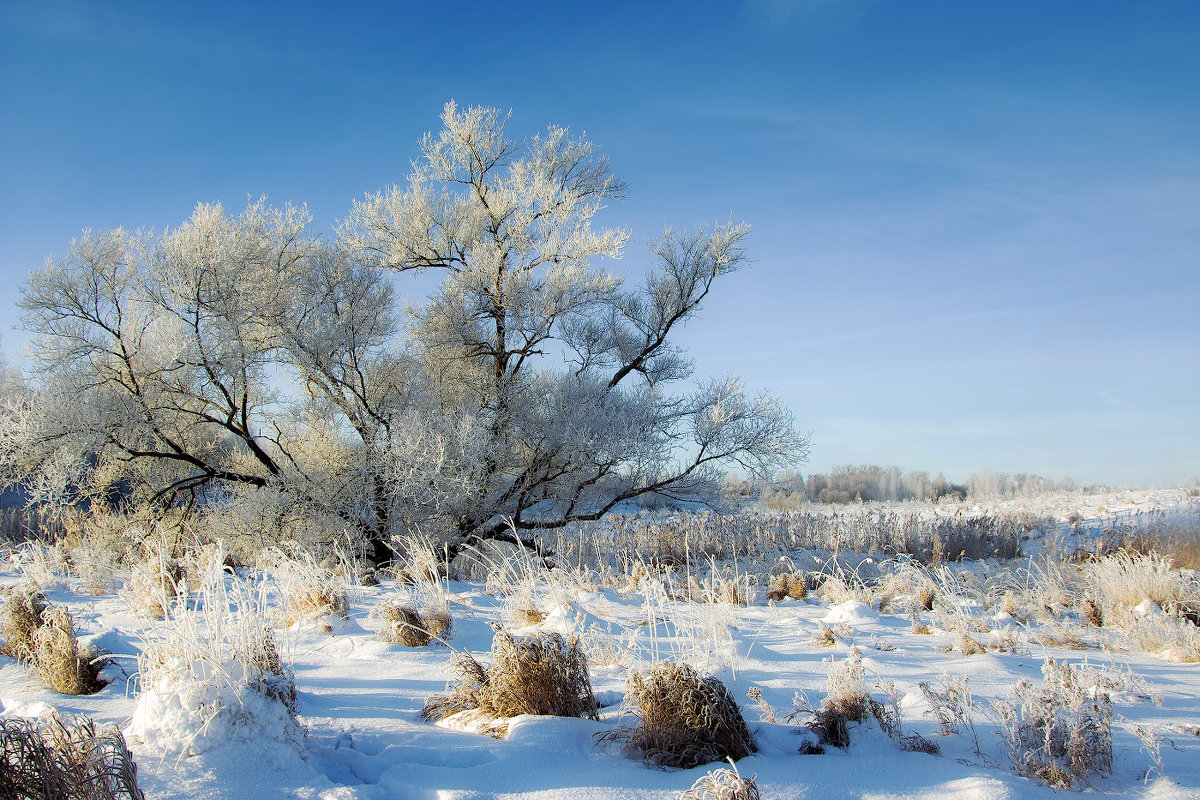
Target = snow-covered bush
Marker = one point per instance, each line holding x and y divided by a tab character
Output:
217	675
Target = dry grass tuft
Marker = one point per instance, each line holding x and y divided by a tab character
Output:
846	700
20	618
65	760
1092	612
1123	580
824	636
43	636
1053	635
543	675
788	585
417	560
950	703
403	624
723	784
275	678
522	610
155	581
318	601
685	721
720	587
765	712
887	714
311	591
58	659
847	694
967	645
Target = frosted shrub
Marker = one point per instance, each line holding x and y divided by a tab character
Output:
1058	732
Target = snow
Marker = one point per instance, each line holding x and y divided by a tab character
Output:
359	702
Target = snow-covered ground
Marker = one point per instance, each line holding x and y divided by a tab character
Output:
359	698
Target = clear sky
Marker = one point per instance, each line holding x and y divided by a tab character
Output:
976	224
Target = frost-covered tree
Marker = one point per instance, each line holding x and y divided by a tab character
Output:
154	354
531	388
553	379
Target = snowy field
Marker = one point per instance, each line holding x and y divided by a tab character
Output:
358	732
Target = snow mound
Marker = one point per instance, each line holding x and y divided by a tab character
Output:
851	612
188	708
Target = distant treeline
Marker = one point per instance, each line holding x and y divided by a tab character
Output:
868	482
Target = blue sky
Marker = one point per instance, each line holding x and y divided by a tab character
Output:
976	231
